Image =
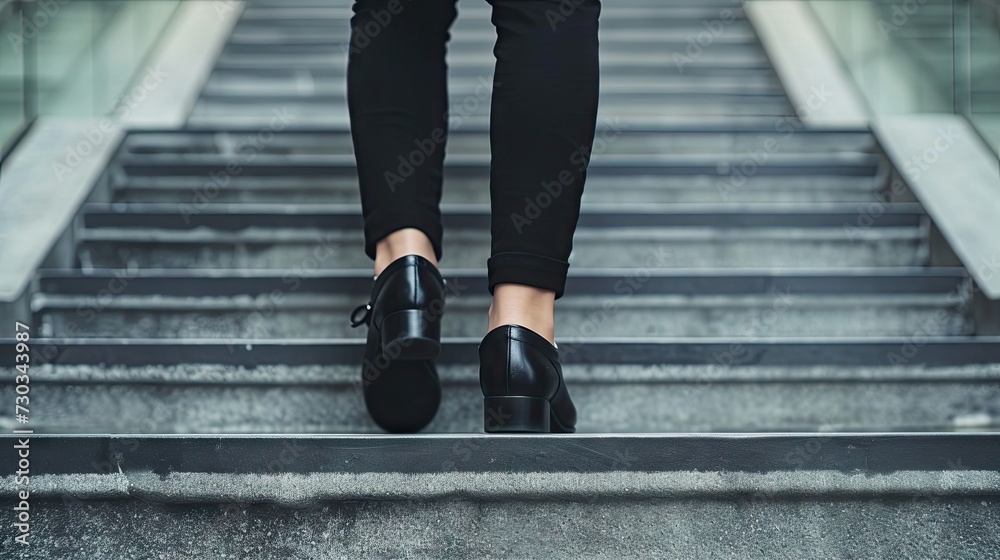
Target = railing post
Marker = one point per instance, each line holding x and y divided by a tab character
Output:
962	57
29	53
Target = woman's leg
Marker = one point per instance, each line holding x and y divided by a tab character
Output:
543	119
397	100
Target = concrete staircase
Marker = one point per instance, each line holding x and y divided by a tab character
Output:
752	321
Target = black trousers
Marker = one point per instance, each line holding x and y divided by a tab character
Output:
542	124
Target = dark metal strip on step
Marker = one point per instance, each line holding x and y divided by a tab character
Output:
690	15
717	70
612	102
210	283
840	163
582	453
473	129
324	121
883	351
481	64
232	217
266	164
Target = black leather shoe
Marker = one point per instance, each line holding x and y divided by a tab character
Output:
522	382
399	378
406	307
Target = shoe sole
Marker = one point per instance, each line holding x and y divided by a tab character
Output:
404	396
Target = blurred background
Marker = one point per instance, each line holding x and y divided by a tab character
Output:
80	57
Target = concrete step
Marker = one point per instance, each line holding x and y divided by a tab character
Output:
633	316
717	67
199	385
680	247
724	164
822	147
613	102
208	112
328	120
651	160
482	58
636	302
612	19
289	58
181	236
306	16
467	41
604	189
294	57
246	85
252	37
763	496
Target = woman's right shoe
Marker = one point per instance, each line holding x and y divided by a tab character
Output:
399	378
522	382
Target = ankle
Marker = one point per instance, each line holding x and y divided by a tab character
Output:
400	243
530	307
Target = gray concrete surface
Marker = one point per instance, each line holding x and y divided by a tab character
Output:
617	247
578	317
932	523
610	398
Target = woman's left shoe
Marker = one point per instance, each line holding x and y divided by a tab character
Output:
522	382
398	376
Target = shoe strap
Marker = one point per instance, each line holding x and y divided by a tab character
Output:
364	319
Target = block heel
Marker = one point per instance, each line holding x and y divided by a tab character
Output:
411	335
516	414
522	383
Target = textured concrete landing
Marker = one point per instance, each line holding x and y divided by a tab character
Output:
905	528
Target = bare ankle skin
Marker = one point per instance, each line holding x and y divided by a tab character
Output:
402	242
516	304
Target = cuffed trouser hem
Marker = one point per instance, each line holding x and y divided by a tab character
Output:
528	269
382	222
